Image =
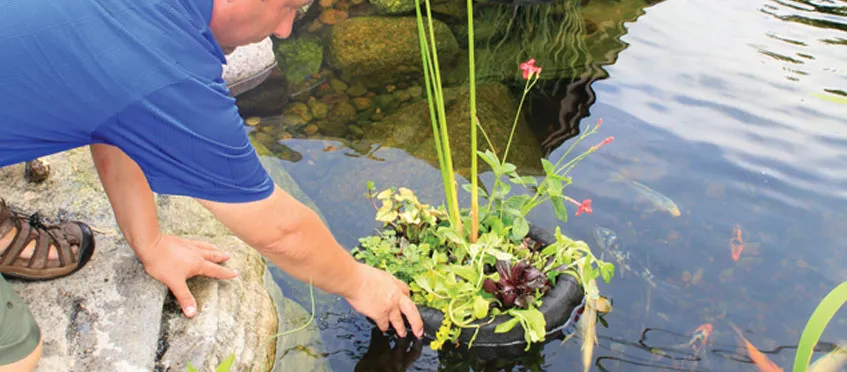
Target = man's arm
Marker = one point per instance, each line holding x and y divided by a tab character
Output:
294	238
169	259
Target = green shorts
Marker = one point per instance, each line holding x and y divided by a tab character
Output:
19	335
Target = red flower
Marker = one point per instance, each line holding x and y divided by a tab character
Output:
601	144
530	69
585	206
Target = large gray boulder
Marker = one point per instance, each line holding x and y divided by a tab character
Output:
112	316
248	66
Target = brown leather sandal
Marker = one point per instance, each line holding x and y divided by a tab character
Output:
73	242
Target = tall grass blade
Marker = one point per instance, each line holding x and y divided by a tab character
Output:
473	118
816	325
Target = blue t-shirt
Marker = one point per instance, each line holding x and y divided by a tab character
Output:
144	76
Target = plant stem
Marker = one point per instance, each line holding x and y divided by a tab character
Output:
515	123
474	181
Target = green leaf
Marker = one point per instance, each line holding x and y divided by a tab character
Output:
507	325
480	307
560	208
468	187
520	228
370	185
817	323
607	270
536	322
548	167
502	191
554	187
465	272
491	159
517	202
508	168
525	181
226	365
191	368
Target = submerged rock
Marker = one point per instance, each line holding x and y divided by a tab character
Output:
381	50
393	6
409	128
300	57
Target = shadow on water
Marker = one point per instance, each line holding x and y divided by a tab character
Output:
725	119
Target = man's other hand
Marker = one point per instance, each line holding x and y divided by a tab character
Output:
174	260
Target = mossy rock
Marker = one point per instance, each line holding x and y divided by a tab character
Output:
300	57
393	6
382	50
409	128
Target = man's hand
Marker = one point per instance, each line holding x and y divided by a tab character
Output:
173	260
385	299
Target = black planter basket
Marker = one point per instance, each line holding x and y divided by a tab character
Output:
558	307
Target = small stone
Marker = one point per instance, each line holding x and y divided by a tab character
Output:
344	111
390	88
284	136
333	16
310	129
292	121
342	5
355	130
357	89
253	121
37	170
315	26
318	109
334	98
338	85
415	91
402	95
300	109
362	103
326	3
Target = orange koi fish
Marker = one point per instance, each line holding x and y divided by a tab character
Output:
762	362
736	242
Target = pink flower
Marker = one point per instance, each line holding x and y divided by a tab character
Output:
601	144
585	206
530	69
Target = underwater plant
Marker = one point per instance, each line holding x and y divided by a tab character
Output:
480	263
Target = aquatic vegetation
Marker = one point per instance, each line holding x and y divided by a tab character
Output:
816	324
475	264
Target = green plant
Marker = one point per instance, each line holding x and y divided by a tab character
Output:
448	254
816	325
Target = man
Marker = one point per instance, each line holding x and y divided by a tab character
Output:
140	82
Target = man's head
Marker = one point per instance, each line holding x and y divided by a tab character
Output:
241	22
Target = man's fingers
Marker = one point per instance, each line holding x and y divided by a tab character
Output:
403	286
215	255
396	319
184	298
382	323
412	315
217	271
203	245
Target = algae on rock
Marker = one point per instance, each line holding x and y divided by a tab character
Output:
300	57
409	128
393	6
382	50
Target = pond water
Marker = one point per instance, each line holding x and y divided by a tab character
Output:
731	109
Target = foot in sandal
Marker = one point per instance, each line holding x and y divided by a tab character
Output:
31	250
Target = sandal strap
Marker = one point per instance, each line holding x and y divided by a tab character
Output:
7	222
22	237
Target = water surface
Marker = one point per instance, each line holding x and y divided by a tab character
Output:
720	106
